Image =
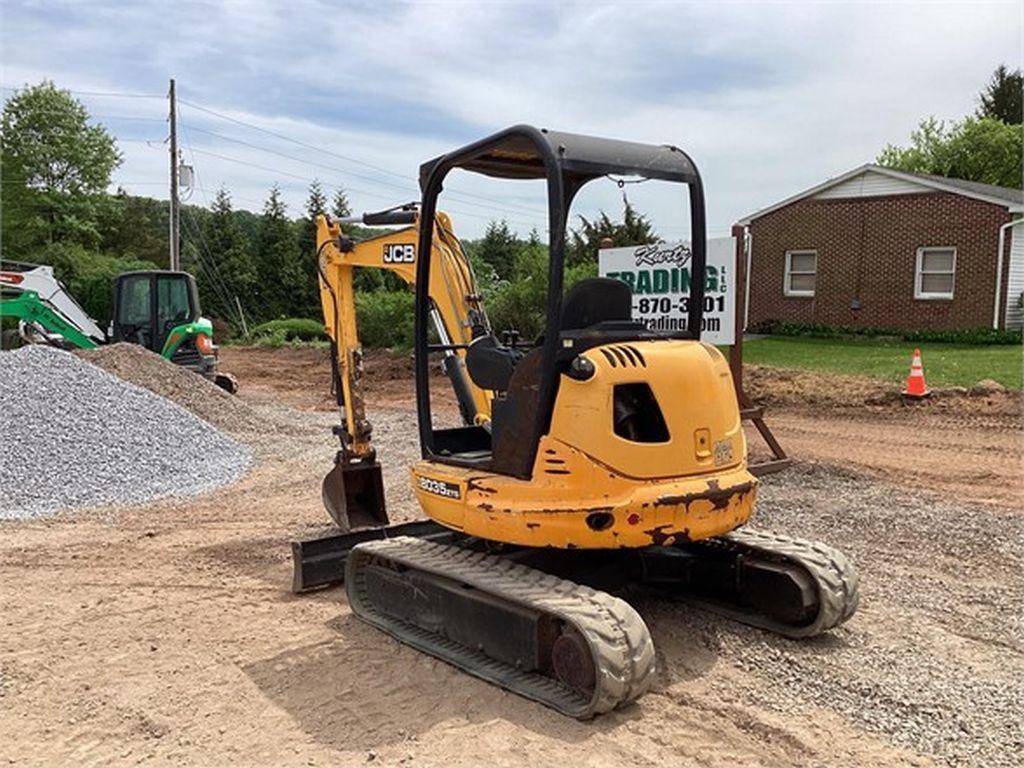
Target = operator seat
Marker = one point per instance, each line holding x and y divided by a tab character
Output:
596	300
491	363
587	304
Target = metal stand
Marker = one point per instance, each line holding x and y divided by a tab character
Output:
749	411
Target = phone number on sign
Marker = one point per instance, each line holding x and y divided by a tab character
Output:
662	305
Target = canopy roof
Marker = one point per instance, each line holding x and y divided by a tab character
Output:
519	153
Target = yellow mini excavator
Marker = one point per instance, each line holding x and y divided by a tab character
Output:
602	456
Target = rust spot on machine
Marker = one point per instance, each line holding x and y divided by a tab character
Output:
720	498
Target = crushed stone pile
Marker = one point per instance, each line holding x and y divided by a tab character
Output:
137	365
73	435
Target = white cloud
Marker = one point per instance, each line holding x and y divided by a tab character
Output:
768	98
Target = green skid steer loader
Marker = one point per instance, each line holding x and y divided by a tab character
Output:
158	310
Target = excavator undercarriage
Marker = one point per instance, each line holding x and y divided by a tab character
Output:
545	624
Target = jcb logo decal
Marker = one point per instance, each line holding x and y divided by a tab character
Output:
399	254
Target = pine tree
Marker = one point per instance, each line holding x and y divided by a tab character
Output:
279	267
235	269
1001	98
132	227
340	207
500	247
635	229
316	204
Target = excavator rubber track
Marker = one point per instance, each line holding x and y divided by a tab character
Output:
824	570
512	624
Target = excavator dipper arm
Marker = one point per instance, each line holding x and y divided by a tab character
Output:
353	491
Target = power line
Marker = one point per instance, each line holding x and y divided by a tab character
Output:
218	280
250	300
456	195
345	171
108	94
307	179
293	141
377	168
92	116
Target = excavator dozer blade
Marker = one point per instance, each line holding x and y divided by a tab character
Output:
353	494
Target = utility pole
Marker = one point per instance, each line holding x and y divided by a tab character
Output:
175	255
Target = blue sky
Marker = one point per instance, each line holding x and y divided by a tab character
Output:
768	98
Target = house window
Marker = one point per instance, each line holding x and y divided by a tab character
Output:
936	268
801	273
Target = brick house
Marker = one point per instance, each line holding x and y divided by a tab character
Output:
881	248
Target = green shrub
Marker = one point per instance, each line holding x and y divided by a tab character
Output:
386	319
521	303
980	336
276	333
89	276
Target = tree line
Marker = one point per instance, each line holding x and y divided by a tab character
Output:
56	165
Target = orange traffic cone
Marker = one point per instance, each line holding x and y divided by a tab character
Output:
916	388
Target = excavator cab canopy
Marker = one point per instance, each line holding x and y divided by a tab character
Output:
149	304
595	311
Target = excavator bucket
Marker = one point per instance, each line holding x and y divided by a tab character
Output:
227	382
353	493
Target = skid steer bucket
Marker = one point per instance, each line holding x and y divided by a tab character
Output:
353	493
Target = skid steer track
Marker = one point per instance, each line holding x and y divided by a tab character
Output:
612	633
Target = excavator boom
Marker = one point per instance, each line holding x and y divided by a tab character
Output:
353	492
44	307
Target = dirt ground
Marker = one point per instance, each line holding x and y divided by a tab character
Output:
970	448
166	634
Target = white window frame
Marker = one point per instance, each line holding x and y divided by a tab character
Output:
918	274
789	271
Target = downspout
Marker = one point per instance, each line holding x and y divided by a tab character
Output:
749	247
999	271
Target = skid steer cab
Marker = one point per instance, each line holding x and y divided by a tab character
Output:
160	311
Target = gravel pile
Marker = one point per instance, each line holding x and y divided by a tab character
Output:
72	435
139	366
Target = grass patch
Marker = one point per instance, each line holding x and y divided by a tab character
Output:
945	365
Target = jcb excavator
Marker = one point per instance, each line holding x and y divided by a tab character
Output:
613	457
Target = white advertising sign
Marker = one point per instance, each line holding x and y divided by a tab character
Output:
659	275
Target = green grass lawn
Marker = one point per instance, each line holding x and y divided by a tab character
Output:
945	365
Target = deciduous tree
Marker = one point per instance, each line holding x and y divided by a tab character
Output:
976	149
55	165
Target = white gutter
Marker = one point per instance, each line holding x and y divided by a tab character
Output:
999	270
749	247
